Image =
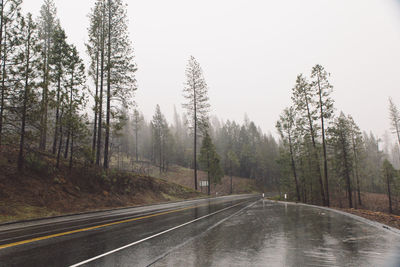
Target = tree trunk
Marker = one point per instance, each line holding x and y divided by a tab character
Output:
1	25
99	127
44	103
294	168
231	177
3	79
318	169
26	91
324	145
356	172
160	156
208	175
388	176
195	137
107	137
71	154
60	142
67	142
136	142
95	107
347	171
57	114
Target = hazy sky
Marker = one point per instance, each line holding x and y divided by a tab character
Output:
252	51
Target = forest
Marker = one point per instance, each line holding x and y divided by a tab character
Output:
85	114
325	157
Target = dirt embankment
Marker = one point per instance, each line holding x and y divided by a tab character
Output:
42	190
373	207
381	217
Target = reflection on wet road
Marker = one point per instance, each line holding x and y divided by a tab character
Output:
229	231
273	234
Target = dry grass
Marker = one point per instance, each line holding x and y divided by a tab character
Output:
388	219
369	201
184	177
43	191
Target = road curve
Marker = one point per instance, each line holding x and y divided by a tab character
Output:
228	231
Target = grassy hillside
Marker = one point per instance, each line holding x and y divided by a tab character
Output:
42	190
184	177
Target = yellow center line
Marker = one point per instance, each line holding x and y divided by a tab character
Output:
96	227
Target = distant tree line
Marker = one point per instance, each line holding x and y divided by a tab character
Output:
242	150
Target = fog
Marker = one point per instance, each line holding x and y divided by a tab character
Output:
251	52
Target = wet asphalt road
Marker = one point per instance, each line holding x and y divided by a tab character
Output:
229	231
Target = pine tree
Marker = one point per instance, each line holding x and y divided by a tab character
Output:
120	67
286	127
303	101
210	161
394	119
138	120
96	51
323	89
47	25
9	39
388	173
341	141
357	145
58	60
197	106
75	72
28	59
158	128
233	163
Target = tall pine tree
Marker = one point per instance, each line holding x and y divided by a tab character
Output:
197	106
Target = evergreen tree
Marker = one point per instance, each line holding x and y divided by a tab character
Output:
58	60
47	25
394	119
389	173
233	162
323	89
210	162
341	142
120	67
9	39
357	144
96	49
303	100
158	128
286	127
28	59
197	106
75	72
138	120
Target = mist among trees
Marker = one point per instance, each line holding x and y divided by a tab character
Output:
85	113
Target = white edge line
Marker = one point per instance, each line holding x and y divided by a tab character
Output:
152	236
193	238
376	224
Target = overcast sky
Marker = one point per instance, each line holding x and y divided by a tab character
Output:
252	51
